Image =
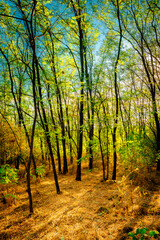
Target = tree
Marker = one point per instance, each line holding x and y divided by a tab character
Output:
143	38
78	11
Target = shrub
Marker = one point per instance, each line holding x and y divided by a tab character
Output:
138	148
8	174
41	171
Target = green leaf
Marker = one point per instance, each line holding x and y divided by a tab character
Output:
137	231
143	231
100	214
34	177
131	234
89	170
41	171
8	174
11	195
152	233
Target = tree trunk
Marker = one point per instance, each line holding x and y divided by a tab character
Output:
78	12
116	94
90	110
100	144
55	130
59	107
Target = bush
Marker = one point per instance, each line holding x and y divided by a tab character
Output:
8	174
41	171
138	149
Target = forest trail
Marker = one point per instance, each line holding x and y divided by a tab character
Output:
90	209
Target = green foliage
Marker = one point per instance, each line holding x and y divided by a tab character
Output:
138	148
41	171
153	233
10	195
8	174
157	156
84	158
33	176
141	233
89	170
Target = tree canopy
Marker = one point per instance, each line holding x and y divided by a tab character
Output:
79	81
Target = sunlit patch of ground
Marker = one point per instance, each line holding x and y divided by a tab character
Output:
90	209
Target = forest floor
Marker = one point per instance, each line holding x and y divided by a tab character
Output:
88	210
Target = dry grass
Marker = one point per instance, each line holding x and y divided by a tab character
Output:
86	210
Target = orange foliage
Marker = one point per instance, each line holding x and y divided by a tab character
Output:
12	142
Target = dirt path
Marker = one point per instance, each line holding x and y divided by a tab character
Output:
90	209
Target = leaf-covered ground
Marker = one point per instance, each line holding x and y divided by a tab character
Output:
90	209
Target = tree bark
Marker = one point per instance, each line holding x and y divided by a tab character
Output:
116	94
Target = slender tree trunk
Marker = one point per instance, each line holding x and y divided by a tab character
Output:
106	122
90	110
45	123
107	127
80	140
17	162
69	134
55	130
60	108
42	151
116	94
78	12
100	144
